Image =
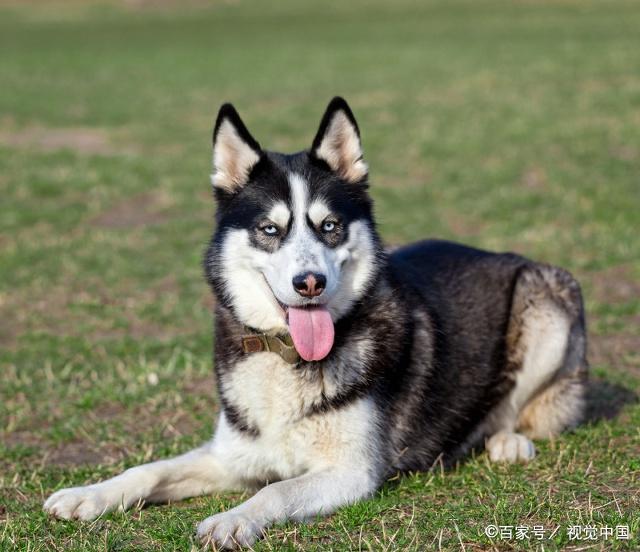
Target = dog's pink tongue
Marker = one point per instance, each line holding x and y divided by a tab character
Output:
312	331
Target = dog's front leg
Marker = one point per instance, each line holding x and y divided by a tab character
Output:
303	497
191	474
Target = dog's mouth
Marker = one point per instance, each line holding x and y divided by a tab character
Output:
311	328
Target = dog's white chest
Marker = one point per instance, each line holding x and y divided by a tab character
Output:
275	398
271	393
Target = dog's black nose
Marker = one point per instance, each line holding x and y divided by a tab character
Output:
310	284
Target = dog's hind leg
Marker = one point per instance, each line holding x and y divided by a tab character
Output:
546	357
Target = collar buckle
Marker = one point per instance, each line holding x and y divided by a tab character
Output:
254	344
280	345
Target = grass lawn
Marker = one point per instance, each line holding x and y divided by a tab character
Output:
510	126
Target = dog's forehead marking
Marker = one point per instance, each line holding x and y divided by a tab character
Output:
280	214
318	211
299	198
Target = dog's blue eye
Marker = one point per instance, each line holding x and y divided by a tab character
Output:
270	230
328	226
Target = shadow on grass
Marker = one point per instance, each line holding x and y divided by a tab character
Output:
605	400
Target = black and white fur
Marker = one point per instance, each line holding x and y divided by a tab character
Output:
438	347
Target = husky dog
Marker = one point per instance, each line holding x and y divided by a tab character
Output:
339	364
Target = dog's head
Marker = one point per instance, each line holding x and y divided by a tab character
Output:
295	245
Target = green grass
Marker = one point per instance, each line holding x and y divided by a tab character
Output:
511	126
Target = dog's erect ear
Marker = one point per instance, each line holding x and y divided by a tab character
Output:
337	142
235	151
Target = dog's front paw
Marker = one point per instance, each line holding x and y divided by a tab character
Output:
230	530
85	503
505	446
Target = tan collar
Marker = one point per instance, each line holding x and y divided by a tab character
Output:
281	345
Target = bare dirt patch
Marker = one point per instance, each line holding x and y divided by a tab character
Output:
73	453
615	284
81	452
12	320
55	311
619	350
135	425
155	4
534	178
81	140
9	331
20	438
461	225
624	153
140	210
